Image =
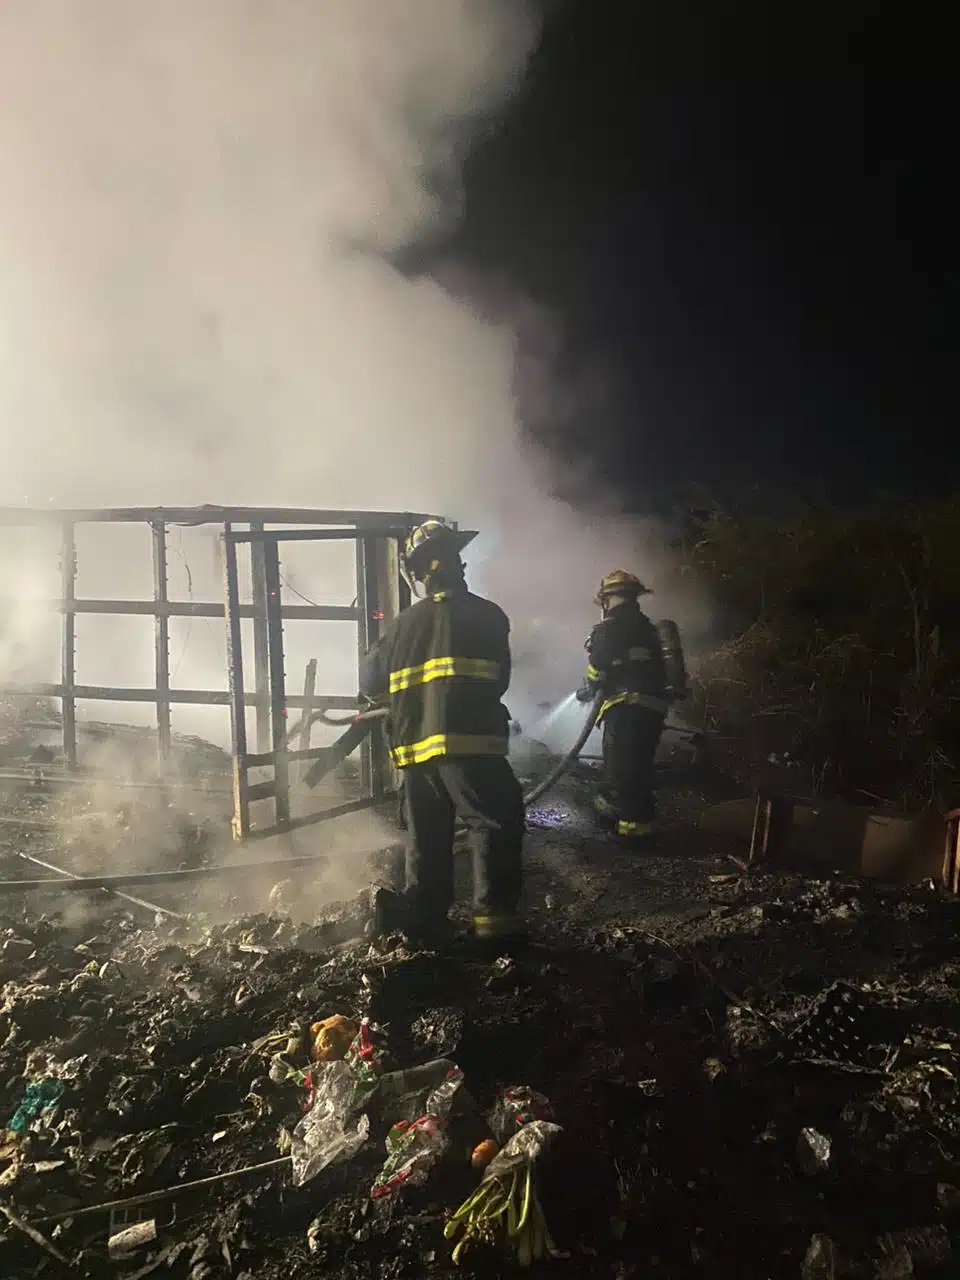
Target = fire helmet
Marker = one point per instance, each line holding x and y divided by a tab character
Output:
432	541
620	583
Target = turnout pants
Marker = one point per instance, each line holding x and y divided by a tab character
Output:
483	792
631	735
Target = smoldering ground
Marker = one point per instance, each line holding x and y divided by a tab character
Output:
133	817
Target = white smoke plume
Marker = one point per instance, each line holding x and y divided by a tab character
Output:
198	200
194	202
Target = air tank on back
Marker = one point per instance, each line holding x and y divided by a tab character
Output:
672	648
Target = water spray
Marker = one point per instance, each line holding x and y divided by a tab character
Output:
566	763
556	713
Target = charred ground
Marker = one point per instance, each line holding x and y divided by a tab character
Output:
664	1007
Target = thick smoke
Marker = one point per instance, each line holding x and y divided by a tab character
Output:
198	203
195	200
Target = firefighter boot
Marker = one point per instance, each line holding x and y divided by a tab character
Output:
635	835
497	934
389	913
605	815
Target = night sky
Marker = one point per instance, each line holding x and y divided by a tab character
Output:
743	209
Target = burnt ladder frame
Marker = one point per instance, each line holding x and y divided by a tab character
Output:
381	593
374	527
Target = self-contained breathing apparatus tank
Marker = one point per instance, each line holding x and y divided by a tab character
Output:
671	646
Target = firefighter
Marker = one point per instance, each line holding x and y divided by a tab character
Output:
443	667
626	666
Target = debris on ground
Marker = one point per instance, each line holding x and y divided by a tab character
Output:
813	1151
505	1210
752	1075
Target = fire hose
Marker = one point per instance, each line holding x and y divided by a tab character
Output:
554	776
359	725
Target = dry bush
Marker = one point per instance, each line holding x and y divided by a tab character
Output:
841	642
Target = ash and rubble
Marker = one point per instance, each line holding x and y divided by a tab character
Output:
755	1075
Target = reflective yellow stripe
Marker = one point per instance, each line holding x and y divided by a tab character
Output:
593	673
495	926
443	669
635	700
452	744
634	828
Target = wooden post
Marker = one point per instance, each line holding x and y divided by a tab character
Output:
238	717
391	595
278	694
261	672
306	728
68	644
161	637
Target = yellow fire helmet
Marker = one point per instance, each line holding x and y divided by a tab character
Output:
620	583
433	536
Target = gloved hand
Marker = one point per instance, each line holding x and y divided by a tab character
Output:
366	703
584	694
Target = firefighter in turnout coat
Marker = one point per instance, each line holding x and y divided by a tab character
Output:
626	665
442	668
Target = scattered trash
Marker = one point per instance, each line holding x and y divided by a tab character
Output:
415	1146
919	1248
820	1260
18	948
36	1236
332	1038
439	1031
166	1257
896	1265
837	1029
315	1235
169	1086
483	1153
503	967
124	1242
648	1088
404	1095
280	896
40	1096
333	1129
163	1194
813	1151
505	1208
516	1107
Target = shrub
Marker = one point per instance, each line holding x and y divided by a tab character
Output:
840	641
